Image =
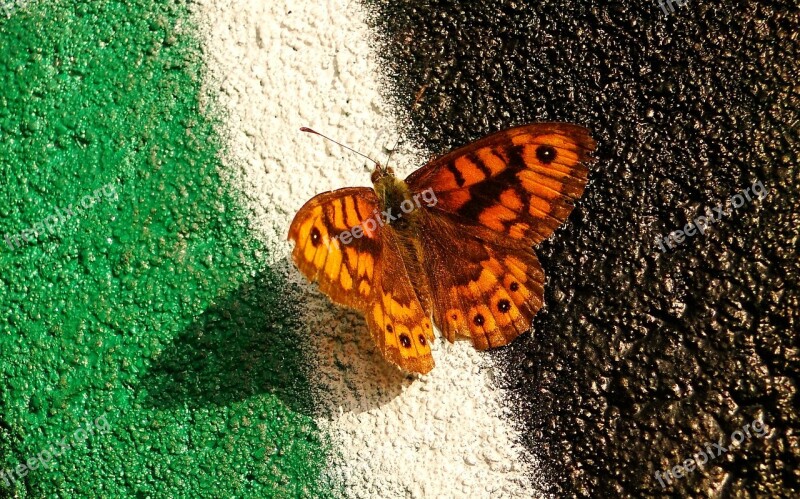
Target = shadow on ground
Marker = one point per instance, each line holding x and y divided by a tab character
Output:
242	345
255	341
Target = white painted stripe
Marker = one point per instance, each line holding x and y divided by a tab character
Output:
274	67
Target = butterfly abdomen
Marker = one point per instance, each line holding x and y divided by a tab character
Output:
402	210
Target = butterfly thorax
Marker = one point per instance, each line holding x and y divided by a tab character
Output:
392	193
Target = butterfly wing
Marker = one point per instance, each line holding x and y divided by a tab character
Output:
365	273
481	289
494	199
520	182
398	322
345	272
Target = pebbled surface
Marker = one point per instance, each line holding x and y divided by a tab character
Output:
274	67
640	357
152	307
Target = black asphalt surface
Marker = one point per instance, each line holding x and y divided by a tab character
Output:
641	357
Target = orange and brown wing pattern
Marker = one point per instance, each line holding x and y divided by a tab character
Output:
345	272
367	273
520	182
399	324
480	288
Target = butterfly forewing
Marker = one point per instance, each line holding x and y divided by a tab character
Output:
345	272
520	182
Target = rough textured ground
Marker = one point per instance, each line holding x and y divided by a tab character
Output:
640	358
277	66
150	307
163	309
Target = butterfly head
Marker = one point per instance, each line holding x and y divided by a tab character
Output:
380	173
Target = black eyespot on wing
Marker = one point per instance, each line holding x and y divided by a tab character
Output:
316	237
546	154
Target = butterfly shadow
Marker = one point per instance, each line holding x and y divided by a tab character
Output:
244	344
252	342
349	373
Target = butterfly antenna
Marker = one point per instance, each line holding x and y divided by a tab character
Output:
414	106
391	151
308	130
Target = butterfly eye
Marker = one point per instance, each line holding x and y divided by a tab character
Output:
478	320
546	154
316	237
389	328
405	341
422	340
514	286
503	305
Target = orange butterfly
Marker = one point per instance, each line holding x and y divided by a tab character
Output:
452	243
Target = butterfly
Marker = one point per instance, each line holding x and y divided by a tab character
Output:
451	245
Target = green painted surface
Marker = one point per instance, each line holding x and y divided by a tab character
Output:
143	306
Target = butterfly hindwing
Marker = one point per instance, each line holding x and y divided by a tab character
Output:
496	291
398	322
520	182
345	272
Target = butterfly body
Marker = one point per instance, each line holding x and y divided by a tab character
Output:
451	245
392	192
